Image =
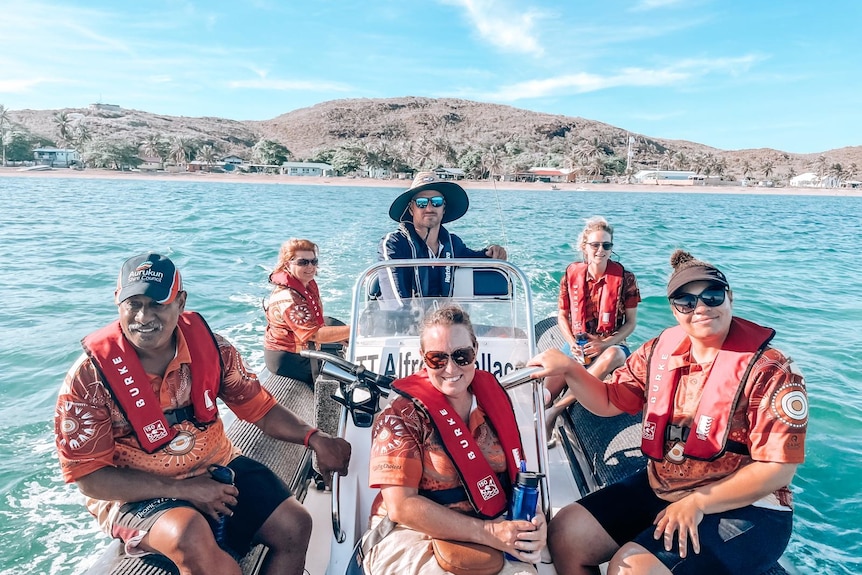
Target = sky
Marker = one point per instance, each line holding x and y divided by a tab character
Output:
732	74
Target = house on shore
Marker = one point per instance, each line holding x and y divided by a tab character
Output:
151	164
56	157
812	180
306	169
543	174
449	173
677	178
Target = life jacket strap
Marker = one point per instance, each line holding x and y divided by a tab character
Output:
680	433
175	416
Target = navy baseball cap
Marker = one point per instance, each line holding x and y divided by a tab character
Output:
152	275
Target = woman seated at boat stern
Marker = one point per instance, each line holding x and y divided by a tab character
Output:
294	313
724	422
598	311
445	454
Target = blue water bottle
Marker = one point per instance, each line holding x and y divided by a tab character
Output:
525	497
225	475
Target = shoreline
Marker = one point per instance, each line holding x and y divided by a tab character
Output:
273	179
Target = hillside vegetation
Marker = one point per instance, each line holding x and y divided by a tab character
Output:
402	135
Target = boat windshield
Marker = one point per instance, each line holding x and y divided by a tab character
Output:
386	332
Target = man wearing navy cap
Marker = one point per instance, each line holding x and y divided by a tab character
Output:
421	212
138	430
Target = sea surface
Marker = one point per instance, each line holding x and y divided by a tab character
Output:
792	261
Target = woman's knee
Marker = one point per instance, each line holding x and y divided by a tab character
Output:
632	559
575	537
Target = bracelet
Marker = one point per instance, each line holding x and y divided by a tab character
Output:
308	435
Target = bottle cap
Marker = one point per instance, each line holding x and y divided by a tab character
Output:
529	478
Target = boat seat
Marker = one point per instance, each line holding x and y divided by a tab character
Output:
292	463
479	283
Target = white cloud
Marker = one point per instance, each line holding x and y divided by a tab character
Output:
684	71
503	27
20	85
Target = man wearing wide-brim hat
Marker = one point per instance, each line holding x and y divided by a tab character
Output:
421	212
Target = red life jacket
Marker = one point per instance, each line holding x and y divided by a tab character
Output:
477	476
708	440
576	276
124	376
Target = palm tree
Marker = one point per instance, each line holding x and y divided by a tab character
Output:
207	155
64	127
4	121
179	151
746	169
768	167
590	149
153	147
821	165
666	162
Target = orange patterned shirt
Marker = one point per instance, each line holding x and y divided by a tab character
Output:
407	451
762	421
92	433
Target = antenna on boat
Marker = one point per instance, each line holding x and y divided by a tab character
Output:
500	213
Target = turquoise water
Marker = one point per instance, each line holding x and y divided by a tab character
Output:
791	260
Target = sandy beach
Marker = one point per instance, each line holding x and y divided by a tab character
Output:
244	178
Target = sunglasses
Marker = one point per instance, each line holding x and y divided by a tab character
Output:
438	359
604	245
712	297
422	203
302	262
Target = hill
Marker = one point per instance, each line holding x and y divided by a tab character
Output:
404	134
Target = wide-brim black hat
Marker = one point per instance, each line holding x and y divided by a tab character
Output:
456	198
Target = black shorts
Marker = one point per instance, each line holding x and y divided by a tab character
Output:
745	540
260	493
292	365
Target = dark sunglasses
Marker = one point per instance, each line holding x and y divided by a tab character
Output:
438	359
422	203
302	262
711	297
604	245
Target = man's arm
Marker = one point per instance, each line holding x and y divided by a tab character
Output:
396	284
462	251
333	453
123	484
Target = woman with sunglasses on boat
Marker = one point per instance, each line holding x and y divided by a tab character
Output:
294	313
445	453
598	299
724	423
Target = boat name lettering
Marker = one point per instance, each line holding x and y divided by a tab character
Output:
408	363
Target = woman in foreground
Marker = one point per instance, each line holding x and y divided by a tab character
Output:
724	425
451	426
294	314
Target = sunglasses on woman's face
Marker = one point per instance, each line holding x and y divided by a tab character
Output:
604	245
438	359
302	262
687	302
422	203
